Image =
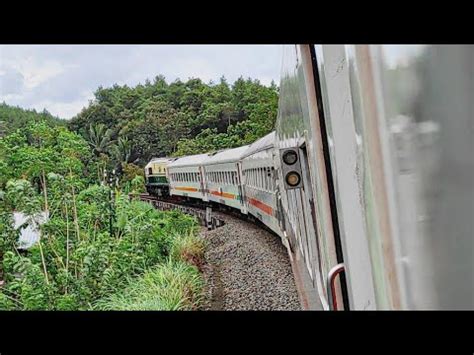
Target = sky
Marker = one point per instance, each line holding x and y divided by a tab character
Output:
63	78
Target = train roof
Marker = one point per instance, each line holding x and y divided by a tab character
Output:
159	160
227	156
263	143
190	160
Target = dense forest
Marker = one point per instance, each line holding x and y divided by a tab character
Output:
13	118
171	119
96	247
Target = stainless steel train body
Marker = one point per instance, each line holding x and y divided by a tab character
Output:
260	182
187	177
223	178
385	140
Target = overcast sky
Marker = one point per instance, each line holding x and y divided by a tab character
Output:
62	79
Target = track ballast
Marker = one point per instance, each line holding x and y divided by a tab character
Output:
246	267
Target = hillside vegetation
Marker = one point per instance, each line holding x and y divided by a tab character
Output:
96	245
178	118
13	118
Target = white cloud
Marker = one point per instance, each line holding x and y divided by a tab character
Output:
62	78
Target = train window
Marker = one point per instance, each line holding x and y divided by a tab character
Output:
264	179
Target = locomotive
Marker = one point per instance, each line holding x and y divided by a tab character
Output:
368	178
156	182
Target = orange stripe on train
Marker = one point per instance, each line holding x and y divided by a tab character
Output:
184	188
260	205
222	194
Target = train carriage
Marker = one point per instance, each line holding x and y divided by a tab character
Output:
260	182
156	181
187	178
223	178
387	172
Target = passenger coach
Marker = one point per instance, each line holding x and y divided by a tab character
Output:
187	178
223	174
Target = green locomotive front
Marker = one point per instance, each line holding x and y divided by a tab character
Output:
156	180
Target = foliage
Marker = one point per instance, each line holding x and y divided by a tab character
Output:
79	269
188	248
173	285
95	239
164	119
14	118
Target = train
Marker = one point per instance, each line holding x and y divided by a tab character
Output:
367	178
156	180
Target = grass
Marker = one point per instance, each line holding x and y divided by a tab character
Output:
174	285
171	286
188	248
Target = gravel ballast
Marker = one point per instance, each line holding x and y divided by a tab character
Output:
247	268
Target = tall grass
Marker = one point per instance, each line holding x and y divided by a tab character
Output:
188	248
176	284
173	285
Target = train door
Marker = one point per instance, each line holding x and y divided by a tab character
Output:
202	182
309	216
241	189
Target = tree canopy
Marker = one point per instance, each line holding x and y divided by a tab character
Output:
171	119
13	118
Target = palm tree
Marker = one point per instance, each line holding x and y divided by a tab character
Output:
99	138
124	151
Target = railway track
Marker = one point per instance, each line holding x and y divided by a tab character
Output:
246	267
204	217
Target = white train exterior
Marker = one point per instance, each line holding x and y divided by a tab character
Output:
223	175
368	178
260	182
187	178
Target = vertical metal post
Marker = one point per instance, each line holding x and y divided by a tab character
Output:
208	218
